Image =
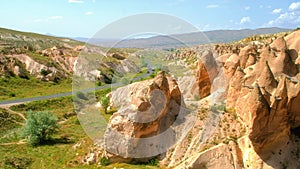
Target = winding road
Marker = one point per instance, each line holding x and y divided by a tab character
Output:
8	103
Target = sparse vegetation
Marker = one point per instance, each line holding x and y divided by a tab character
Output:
104	161
17	162
39	127
45	72
151	162
57	152
105	103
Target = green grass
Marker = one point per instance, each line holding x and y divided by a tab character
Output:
58	152
62	107
8	126
54	155
14	88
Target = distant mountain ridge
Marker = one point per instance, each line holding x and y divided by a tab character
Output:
182	40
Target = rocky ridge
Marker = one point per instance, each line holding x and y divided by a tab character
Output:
258	128
51	58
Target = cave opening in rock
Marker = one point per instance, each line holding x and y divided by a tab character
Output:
296	131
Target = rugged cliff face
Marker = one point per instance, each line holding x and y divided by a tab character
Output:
259	128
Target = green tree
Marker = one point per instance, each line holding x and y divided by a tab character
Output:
39	127
105	103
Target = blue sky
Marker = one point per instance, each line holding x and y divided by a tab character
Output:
83	18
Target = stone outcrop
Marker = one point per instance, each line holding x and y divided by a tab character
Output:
11	67
263	94
145	109
259	128
207	70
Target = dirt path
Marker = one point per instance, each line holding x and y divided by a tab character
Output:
14	143
13	112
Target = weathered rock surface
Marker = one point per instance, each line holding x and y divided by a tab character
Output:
11	67
260	127
206	73
262	99
145	109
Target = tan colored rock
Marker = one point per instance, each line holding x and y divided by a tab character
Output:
283	64
203	80
222	59
221	156
145	109
267	82
293	105
293	40
234	87
279	44
19	72
207	70
247	53
230	65
262	115
258	108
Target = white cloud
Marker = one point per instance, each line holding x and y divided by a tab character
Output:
212	6
287	19
294	6
88	13
75	1
261	6
56	17
245	19
276	11
247	8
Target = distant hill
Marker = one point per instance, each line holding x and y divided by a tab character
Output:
188	39
10	39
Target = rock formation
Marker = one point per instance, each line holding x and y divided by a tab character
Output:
145	109
262	99
259	128
206	72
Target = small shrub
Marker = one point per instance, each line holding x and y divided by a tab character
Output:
153	162
221	107
99	83
45	72
104	161
152	75
11	94
39	127
105	103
